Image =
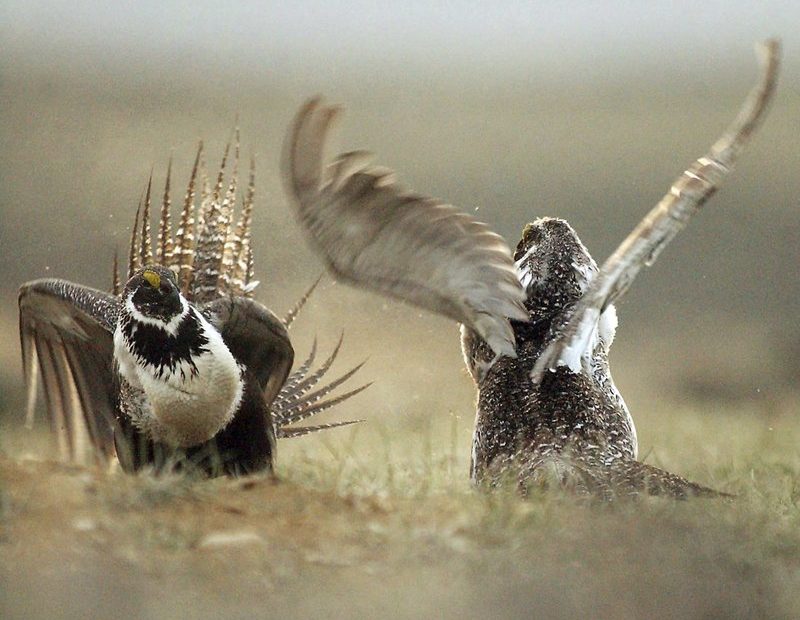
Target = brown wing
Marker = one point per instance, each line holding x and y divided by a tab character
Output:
373	234
665	220
66	333
256	338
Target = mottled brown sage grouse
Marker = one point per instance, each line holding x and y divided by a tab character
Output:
536	330
179	368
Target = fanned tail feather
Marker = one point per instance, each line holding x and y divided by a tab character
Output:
212	235
146	244
230	237
287	398
292	314
116	285
294	380
307	408
165	244
240	242
133	255
299	431
250	281
185	237
297	402
211	256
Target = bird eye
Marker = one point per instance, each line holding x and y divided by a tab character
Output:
152	278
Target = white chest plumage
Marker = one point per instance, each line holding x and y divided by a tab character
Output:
190	401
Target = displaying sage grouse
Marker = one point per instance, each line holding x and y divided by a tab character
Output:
547	406
179	368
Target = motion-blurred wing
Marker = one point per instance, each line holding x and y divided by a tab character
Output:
373	234
66	333
256	338
666	219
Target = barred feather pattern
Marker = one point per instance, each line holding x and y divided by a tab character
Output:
298	401
213	258
211	255
212	236
146	246
237	251
133	255
292	314
165	225
116	284
299	431
185	235
231	243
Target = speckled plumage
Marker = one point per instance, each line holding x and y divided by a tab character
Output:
571	424
553	414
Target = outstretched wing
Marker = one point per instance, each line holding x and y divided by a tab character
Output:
256	338
373	234
66	333
664	221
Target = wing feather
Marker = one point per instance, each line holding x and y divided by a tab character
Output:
373	234
256	338
66	335
685	198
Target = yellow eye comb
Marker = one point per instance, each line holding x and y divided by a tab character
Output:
153	279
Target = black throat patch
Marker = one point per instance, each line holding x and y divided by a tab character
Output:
153	346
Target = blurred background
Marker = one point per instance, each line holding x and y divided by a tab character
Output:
582	110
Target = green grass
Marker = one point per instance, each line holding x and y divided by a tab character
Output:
380	521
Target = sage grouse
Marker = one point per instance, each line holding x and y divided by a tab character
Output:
547	406
179	368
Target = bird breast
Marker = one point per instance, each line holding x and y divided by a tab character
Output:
190	400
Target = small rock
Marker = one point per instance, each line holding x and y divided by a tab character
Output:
84	524
231	539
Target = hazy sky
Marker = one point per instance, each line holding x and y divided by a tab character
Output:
550	36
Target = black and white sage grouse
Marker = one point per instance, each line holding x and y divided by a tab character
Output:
179	368
547	409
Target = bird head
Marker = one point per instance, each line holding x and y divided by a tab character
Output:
554	266
153	293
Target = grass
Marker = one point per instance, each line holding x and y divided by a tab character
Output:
381	522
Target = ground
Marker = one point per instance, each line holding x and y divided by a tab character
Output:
372	523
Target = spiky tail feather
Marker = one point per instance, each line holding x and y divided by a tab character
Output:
210	250
587	476
292	314
213	257
297	402
299	431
